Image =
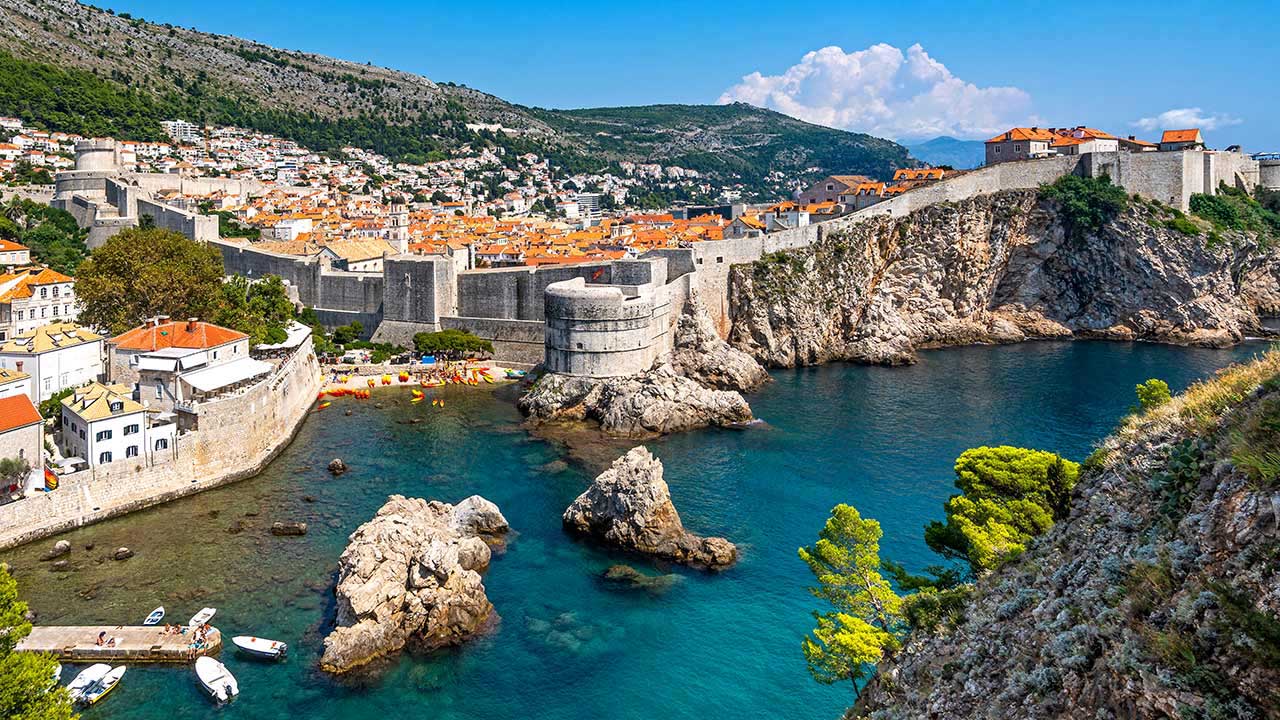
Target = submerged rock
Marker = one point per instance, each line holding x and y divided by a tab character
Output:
411	576
337	467
60	548
288	528
627	577
122	553
629	506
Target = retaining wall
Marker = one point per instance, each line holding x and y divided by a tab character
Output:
237	437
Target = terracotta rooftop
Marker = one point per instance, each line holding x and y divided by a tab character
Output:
1179	136
16	411
189	334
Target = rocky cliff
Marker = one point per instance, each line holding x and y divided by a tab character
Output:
1159	597
696	385
629	506
993	269
411	576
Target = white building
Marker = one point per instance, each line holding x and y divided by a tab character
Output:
31	298
101	424
57	356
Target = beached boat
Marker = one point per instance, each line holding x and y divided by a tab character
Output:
98	689
155	617
216	679
261	647
85	679
202	617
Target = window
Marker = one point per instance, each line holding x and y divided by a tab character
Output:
830	187
44	312
66	309
159	389
1017	148
215	354
131	451
20	312
44	292
162	444
81	433
116	406
131	429
720	259
55	311
103	435
55	291
104	458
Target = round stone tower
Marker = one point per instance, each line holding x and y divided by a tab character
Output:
1269	173
97	155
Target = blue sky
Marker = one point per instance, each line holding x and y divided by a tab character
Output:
978	66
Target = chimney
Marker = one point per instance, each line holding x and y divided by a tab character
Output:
191	324
19	364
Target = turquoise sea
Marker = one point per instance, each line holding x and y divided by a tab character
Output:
569	646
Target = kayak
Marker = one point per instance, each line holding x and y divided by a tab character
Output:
155	617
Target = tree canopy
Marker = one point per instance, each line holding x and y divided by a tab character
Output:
140	273
451	343
260	309
1009	495
24	677
51	234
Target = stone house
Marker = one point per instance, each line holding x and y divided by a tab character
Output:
1019	143
744	226
33	297
102	424
56	356
1190	139
828	189
22	436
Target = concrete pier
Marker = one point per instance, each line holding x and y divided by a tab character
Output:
133	643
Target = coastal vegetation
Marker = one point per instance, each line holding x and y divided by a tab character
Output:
1009	495
1086	204
144	272
1153	393
24	677
51	234
451	344
1232	209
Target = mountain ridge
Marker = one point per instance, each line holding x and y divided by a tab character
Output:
326	102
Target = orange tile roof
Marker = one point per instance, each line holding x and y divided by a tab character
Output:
10	246
16	411
1020	133
201	335
1178	136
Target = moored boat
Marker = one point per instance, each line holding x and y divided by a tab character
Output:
103	685
202	617
155	617
86	679
216	679
261	647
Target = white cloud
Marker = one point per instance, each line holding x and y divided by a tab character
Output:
1183	118
886	92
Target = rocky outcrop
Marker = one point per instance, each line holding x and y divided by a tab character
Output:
697	385
995	269
629	506
1159	597
411	576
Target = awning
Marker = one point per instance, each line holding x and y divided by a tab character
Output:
220	376
157	363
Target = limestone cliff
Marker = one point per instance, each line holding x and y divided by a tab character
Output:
992	269
1159	597
696	385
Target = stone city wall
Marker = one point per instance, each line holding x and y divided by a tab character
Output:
238	436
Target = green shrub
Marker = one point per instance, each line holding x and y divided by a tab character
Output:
1086	203
1182	225
1256	444
1218	210
1175	486
1153	393
451	343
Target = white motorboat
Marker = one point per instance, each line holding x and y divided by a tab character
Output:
215	679
261	647
87	677
104	685
202	617
155	617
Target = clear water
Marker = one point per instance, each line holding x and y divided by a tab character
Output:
568	646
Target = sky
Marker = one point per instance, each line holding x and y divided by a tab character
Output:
903	70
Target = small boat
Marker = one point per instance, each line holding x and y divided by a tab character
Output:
216	680
155	617
202	617
324	405
86	679
99	689
261	647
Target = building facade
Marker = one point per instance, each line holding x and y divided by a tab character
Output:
102	424
56	356
34	297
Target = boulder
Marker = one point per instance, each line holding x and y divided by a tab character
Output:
60	548
122	553
411	577
288	528
629	506
337	467
628	578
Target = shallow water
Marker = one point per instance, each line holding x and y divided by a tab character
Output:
569	646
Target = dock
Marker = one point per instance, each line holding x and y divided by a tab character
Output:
132	643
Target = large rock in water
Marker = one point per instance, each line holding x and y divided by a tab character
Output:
411	576
629	506
697	385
